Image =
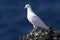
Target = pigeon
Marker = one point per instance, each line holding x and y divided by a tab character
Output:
34	19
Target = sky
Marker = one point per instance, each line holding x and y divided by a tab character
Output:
13	20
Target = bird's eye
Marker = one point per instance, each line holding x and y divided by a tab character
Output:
27	6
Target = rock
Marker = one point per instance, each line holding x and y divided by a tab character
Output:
41	34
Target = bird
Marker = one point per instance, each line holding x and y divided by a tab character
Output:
34	19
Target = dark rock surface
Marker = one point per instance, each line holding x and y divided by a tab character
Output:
41	34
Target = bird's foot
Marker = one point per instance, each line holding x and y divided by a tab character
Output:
33	30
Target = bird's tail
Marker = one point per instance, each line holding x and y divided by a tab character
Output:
42	25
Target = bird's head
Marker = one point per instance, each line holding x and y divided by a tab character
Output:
27	6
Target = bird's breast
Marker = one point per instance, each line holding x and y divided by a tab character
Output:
29	17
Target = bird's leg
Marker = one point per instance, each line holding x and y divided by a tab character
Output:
34	28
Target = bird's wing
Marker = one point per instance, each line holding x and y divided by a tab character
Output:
39	22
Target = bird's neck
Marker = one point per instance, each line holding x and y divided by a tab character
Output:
29	10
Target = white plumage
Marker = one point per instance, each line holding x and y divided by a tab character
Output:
34	19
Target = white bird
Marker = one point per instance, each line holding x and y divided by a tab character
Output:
34	19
